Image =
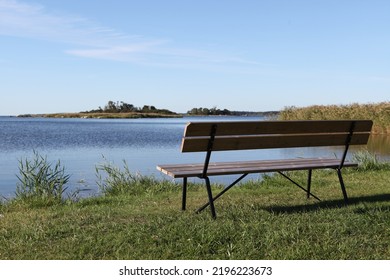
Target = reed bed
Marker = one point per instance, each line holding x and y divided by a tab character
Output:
379	113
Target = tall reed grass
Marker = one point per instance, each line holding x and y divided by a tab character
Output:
369	162
379	113
115	180
38	179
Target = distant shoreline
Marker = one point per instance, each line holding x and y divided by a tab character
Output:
131	115
138	115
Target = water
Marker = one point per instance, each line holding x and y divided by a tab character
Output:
83	144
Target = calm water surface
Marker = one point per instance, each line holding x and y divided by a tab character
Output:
83	144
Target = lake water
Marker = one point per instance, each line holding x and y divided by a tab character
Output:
83	144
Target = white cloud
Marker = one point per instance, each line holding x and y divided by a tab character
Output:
35	21
92	40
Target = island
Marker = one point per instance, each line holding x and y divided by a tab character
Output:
114	110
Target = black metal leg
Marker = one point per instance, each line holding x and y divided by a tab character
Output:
298	185
184	198
309	183
222	192
210	195
342	185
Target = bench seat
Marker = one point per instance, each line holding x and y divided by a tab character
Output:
259	166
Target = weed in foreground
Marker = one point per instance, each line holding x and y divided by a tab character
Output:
39	180
114	180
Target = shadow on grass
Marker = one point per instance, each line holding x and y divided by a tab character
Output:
328	204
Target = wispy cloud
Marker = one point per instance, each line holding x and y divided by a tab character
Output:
92	40
35	21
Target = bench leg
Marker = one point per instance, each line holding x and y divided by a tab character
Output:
299	186
222	192
184	197
309	183
342	185
211	199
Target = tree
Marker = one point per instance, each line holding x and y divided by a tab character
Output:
110	107
125	107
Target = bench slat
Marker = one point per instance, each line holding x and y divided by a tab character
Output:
240	167
276	127
225	143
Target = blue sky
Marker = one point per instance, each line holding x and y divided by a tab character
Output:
257	55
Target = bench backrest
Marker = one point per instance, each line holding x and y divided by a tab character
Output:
223	136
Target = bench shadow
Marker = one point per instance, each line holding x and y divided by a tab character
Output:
328	204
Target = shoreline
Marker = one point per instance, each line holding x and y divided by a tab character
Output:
135	115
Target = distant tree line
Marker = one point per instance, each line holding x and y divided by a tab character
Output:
209	112
214	111
123	107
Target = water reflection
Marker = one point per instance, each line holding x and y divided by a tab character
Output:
380	145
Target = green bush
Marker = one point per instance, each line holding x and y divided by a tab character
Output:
38	179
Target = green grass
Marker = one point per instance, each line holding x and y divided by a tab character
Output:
268	219
379	113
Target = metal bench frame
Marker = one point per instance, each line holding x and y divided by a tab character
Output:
233	136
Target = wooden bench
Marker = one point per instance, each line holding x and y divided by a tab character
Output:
211	137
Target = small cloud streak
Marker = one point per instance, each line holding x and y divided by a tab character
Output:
125	53
93	41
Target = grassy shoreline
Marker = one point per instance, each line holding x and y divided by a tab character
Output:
268	219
